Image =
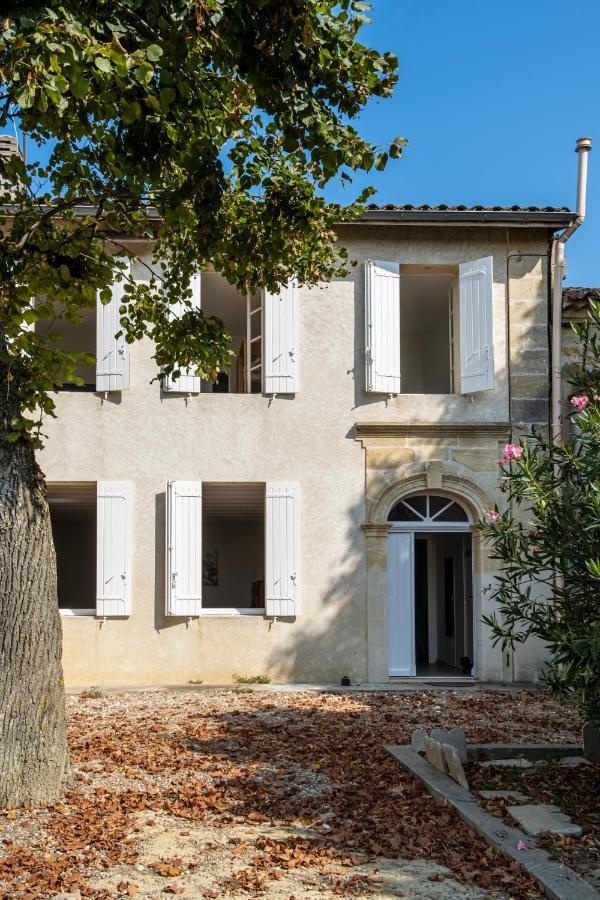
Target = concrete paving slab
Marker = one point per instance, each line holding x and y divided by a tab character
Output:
540	818
575	761
503	795
507	763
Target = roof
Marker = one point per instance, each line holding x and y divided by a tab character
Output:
579	297
546	216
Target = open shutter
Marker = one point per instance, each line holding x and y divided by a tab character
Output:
401	603
476	326
186	383
112	353
281	338
282	548
184	548
113	556
382	325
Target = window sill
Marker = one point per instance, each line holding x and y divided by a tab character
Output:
68	613
232	611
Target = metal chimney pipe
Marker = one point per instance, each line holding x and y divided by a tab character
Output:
582	148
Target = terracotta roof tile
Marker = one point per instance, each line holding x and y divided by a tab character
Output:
444	207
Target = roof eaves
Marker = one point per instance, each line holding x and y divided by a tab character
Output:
555	218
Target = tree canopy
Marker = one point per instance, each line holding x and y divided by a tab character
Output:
211	125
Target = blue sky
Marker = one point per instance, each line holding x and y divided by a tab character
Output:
491	97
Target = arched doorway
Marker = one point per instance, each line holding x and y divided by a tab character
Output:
430	587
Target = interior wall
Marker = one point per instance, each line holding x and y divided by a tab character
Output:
240	561
451	648
221	299
75	544
424	333
77	338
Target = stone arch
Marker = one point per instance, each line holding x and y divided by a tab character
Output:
468	494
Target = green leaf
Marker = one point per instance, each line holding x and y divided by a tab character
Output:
103	64
79	87
154	52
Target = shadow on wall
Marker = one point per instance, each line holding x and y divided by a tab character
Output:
161	620
328	639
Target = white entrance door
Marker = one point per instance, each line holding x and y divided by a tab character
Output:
401	604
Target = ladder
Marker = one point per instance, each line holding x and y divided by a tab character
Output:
254	321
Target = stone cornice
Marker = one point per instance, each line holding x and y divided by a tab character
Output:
370	430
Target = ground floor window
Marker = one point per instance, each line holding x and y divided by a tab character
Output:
73	518
233	537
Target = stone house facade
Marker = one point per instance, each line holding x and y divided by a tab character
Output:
311	515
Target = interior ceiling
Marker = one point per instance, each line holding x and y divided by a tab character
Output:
72	501
240	502
219	298
423	301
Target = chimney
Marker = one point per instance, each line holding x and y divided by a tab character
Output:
9	146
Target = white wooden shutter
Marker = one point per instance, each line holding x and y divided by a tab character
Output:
184	548
112	353
476	326
401	604
282	548
113	548
187	383
281	338
382	327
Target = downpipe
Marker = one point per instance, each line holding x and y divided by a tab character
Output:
582	148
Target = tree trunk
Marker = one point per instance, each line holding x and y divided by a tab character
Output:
34	760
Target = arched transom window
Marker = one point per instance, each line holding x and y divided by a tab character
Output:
429	509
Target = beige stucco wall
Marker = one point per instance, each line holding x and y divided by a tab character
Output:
145	438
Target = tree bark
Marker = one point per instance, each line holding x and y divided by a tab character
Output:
34	761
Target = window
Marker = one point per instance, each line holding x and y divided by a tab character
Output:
233	552
427	333
233	548
242	316
429	329
76	338
73	519
428	509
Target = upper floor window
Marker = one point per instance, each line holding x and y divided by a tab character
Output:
429	329
263	327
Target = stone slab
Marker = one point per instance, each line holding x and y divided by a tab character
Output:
435	754
455	737
591	741
504	795
507	763
539	818
575	761
528	751
454	765
556	880
418	740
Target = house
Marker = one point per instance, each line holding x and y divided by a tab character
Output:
311	515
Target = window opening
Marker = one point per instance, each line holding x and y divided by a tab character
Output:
79	337
233	546
73	519
427	332
428	509
242	316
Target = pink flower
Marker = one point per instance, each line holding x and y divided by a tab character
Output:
580	403
521	845
493	516
511	451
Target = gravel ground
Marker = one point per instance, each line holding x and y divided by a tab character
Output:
233	793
